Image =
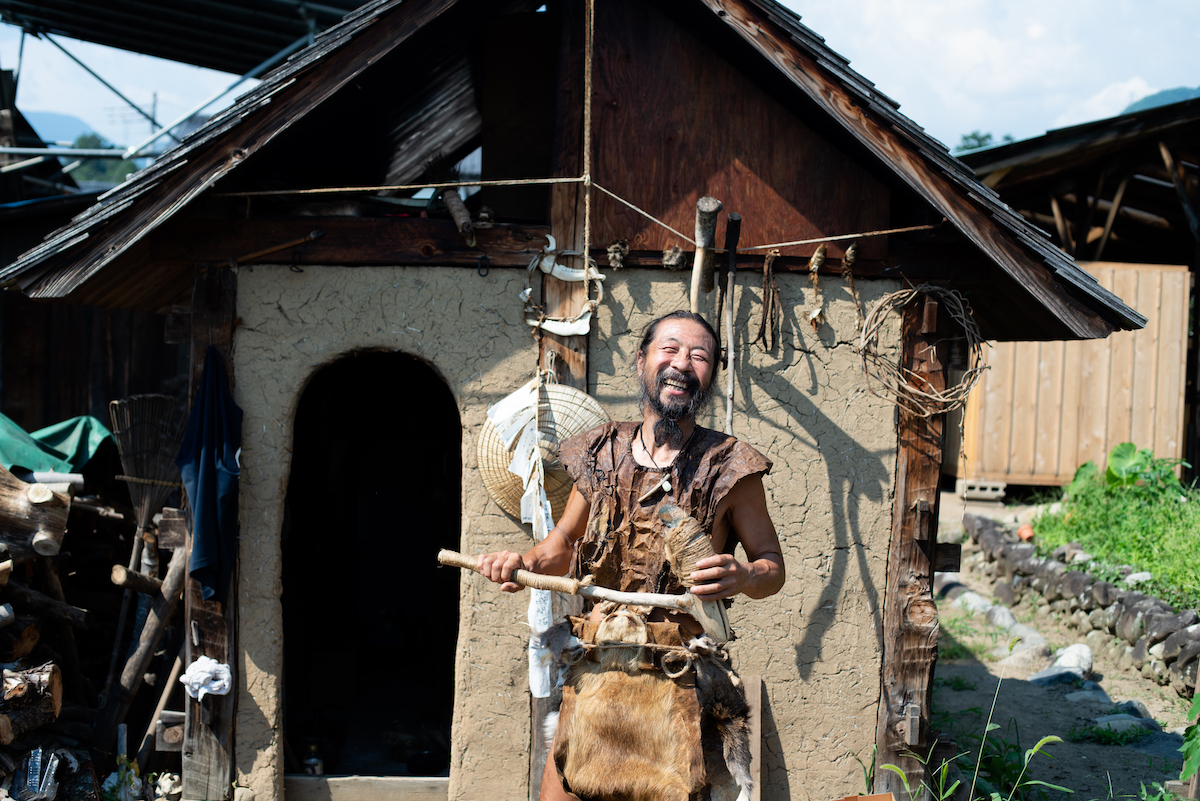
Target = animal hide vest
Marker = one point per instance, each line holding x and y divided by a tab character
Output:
642	718
623	547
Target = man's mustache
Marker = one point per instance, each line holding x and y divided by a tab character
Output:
670	374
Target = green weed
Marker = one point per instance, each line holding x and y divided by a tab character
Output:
1134	513
1106	736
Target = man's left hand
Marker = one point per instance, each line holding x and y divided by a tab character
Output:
719	576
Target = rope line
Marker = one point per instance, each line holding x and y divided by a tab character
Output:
840	237
646	214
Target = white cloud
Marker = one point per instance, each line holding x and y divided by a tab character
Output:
1108	102
1012	66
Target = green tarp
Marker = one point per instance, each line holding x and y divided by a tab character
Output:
62	448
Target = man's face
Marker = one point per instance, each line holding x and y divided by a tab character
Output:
677	368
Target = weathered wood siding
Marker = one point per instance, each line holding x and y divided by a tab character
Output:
1044	408
674	120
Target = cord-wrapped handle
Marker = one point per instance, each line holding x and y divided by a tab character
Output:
537	581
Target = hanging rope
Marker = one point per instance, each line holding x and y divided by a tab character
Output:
772	307
911	391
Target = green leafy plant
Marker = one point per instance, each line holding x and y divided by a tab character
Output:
1134	514
942	787
1105	735
1156	793
868	771
1191	744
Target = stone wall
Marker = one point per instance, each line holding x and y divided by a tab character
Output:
816	644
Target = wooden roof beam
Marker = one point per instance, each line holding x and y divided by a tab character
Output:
1179	178
936	188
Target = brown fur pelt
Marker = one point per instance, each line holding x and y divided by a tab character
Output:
628	732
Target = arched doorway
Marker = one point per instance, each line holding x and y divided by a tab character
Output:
370	622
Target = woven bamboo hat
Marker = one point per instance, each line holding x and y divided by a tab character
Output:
563	412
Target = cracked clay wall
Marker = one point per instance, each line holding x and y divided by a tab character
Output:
470	329
815	644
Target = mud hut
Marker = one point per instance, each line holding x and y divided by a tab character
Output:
367	331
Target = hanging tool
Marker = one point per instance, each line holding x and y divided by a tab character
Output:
733	229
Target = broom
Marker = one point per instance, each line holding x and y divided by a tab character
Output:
148	430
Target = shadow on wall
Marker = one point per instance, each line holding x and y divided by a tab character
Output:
853	474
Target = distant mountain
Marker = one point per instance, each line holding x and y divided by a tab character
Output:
1163	98
55	127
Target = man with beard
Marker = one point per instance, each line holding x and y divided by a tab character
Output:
625	473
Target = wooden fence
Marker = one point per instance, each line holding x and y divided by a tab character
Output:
1044	408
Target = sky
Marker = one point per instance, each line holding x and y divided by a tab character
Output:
1018	67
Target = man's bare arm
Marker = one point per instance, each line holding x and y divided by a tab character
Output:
551	556
722	576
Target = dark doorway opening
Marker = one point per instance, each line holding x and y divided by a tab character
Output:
370	622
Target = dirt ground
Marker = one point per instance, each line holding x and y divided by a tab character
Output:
966	680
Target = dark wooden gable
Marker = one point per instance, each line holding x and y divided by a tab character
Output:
674	120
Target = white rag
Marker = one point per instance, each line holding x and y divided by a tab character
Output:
207	675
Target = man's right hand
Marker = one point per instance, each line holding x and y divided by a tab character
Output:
499	567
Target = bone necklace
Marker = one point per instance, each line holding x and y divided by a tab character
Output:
665	483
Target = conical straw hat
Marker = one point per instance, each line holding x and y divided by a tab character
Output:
563	412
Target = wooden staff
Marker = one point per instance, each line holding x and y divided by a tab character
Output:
709	614
707	209
733	230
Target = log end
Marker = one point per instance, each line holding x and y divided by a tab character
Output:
39	493
46	542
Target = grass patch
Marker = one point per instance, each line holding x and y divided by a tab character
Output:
1147	520
1106	736
958	683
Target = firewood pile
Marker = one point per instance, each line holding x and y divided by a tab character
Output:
86	680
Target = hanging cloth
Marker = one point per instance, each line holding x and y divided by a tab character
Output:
208	462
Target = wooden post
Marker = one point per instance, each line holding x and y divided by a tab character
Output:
910	620
564	298
210	626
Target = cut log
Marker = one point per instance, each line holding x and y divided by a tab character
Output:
31	698
707	209
29	511
138	582
35	601
117	704
18	640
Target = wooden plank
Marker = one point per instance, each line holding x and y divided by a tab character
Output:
1172	364
210	626
731	139
1048	417
910	616
365	788
1144	398
1121	368
1072	408
998	397
1094	389
1023	408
